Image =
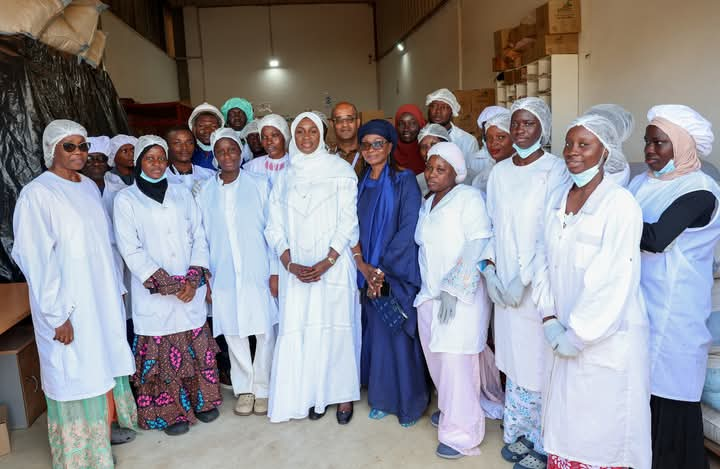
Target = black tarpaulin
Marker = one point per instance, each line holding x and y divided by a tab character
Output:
38	85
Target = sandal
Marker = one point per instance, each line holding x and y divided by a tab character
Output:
533	460
120	435
515	452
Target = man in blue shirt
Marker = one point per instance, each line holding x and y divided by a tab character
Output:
204	120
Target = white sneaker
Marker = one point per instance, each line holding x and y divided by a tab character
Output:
244	404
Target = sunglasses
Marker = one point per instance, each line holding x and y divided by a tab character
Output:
70	147
376	145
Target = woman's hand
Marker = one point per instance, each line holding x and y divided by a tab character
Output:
303	273
187	293
319	269
373	276
65	333
208	294
274	286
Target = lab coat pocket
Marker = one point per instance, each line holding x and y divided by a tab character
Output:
611	352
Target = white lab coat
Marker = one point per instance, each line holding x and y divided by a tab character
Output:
63	246
199	174
113	185
621	178
467	142
596	406
479	165
313	207
268	167
677	285
516	198
234	218
151	236
441	234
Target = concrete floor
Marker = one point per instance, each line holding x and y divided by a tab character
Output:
252	441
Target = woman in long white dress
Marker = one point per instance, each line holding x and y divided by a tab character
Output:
312	225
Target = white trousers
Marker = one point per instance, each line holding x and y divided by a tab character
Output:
250	376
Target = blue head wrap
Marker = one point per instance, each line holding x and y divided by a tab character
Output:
240	103
380	127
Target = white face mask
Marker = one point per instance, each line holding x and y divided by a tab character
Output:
526	152
582	179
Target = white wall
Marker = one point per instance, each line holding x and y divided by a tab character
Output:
323	51
138	68
635	53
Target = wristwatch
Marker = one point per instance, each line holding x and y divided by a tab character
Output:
331	260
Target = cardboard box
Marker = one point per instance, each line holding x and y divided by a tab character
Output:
468	124
502	40
549	44
558	17
482	98
521	32
4	432
498	64
366	116
464	97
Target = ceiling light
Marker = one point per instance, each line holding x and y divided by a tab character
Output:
274	63
400	47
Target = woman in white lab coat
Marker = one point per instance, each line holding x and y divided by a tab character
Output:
312	225
453	308
596	410
681	228
234	207
160	235
516	198
63	246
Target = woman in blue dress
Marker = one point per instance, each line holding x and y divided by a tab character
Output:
392	361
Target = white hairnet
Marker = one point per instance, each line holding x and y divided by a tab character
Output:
250	128
436	130
447	97
316	120
539	109
699	128
202	109
116	142
623	121
147	141
224	132
451	153
56	131
489	112
99	144
604	129
277	121
501	120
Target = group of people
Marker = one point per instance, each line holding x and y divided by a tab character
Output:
402	258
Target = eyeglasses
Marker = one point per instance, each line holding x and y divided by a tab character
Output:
97	157
344	120
70	147
376	145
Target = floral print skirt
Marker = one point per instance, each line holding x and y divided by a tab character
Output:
558	462
79	433
176	377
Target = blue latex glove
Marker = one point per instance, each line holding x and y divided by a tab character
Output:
448	305
493	284
514	292
552	329
563	347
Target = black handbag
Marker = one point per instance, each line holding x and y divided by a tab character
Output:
389	309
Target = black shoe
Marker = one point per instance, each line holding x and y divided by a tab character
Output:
208	416
176	429
344	416
312	415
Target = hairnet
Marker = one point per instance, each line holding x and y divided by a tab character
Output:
116	142
379	127
540	110
241	103
604	129
436	130
147	141
501	120
699	128
446	96
250	128
99	144
623	121
56	131
451	153
224	132
317	120
488	112
205	108
277	121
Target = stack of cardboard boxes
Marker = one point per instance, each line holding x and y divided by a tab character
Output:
472	102
551	29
